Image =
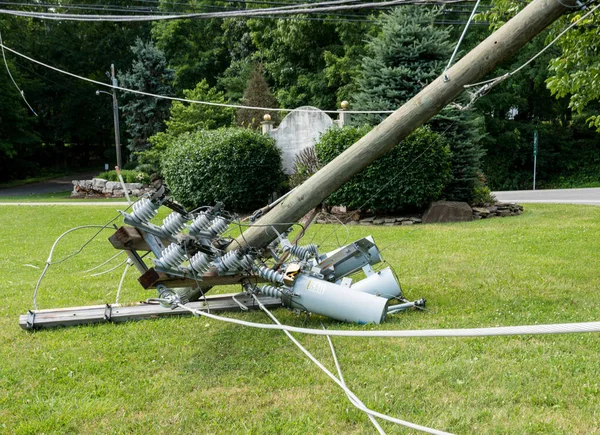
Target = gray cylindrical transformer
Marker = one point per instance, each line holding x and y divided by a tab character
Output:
333	300
382	283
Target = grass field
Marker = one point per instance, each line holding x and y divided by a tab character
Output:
190	375
64	196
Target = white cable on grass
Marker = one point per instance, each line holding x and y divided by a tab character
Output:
494	331
111	269
356	401
106	262
341	378
183	100
121	282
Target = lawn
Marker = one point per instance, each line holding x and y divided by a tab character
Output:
191	375
64	196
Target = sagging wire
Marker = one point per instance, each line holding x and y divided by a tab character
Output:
106	262
351	396
127	266
341	378
111	269
21	92
487	85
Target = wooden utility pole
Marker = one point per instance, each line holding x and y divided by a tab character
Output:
473	67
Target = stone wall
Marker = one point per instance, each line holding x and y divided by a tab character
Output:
99	187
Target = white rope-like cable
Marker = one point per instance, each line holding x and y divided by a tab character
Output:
494	331
539	53
111	269
341	378
106	262
183	100
356	401
13	80
121	282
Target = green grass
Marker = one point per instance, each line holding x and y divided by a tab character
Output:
64	196
190	375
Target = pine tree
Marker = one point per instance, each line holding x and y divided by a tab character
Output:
144	116
257	94
408	54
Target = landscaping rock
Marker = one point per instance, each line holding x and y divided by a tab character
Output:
448	211
98	184
378	221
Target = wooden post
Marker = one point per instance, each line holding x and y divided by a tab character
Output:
471	68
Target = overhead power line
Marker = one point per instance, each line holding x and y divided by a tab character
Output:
311	8
183	100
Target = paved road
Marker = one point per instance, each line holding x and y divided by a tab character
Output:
559	196
50	186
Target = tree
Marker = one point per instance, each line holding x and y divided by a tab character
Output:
257	94
144	116
575	68
409	53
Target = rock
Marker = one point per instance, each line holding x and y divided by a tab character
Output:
503	213
482	211
448	211
131	186
111	186
368	220
98	183
389	220
416	220
339	209
407	222
352	223
400	219
378	221
321	221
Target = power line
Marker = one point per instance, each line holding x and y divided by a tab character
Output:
256	12
183	100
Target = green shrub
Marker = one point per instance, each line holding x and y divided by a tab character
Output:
410	176
239	167
129	176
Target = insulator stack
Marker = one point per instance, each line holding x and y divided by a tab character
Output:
173	223
269	274
172	256
303	252
235	261
271	291
200	223
200	263
219	225
143	211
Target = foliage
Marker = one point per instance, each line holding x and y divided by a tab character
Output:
408	54
306	163
257	94
575	67
410	176
239	167
129	176
189	117
144	115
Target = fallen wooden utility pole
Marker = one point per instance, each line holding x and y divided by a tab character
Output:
431	100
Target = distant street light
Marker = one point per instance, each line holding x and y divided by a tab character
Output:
115	114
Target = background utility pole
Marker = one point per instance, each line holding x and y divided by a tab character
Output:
535	148
116	116
470	69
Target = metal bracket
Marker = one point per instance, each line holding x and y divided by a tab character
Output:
30	319
107	313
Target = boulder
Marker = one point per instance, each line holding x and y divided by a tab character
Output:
448	211
98	184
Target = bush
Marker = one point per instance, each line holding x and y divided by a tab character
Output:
410	176
238	167
129	176
306	163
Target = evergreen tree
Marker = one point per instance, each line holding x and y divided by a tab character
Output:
408	54
144	116
257	94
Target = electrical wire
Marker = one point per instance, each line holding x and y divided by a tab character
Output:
341	378
356	401
111	269
106	262
310	8
184	100
21	92
464	32
127	266
496	80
